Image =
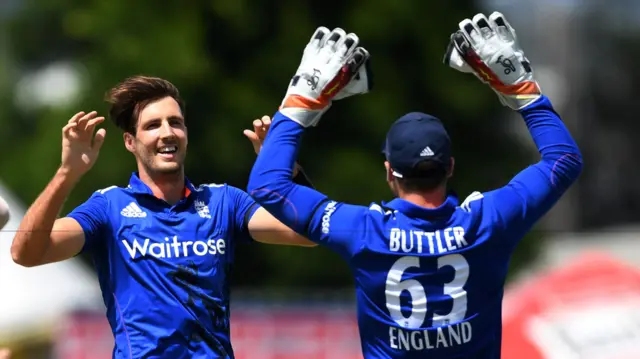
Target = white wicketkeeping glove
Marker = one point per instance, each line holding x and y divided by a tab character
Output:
333	67
489	49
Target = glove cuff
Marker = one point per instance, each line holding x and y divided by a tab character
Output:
302	103
519	95
303	110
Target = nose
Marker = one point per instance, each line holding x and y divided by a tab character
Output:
166	131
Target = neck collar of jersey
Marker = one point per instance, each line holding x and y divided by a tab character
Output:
137	186
413	210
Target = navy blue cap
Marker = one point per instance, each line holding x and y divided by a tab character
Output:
414	138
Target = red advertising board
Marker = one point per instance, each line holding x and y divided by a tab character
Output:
587	309
256	333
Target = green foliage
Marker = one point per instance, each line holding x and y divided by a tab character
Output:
232	61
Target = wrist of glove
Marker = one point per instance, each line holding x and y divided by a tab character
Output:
488	48
333	67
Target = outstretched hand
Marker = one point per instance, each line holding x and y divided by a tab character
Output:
259	133
331	62
488	48
80	147
260	129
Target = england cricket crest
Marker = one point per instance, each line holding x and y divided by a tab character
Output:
202	209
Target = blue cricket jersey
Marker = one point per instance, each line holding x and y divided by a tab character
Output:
163	269
429	282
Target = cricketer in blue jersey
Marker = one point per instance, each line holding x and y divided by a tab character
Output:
162	247
429	271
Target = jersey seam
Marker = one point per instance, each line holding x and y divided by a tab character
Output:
124	326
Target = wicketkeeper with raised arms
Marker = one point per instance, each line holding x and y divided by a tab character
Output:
429	270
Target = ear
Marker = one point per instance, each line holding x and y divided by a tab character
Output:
389	171
129	142
451	167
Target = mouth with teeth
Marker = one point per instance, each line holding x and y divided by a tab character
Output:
168	152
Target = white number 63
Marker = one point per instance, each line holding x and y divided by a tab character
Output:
395	286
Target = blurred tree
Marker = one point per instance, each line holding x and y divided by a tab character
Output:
232	61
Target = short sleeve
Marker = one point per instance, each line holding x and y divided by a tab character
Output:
243	209
339	226
93	218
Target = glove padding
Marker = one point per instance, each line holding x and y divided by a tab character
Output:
488	48
333	67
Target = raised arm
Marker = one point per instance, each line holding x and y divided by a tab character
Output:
534	191
263	226
488	48
332	67
42	237
271	181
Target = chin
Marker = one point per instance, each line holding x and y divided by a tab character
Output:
167	168
170	169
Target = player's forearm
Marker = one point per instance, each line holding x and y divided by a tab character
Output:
536	189
270	182
561	157
32	239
